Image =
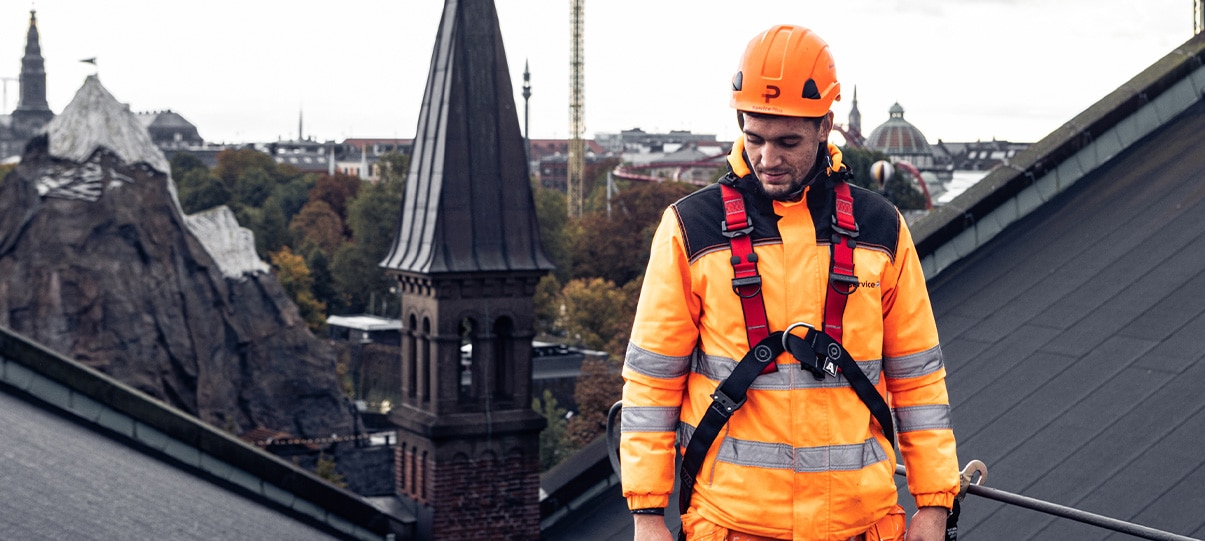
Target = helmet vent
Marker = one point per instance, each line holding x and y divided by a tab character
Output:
737	81
810	91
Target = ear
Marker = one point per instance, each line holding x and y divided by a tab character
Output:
825	126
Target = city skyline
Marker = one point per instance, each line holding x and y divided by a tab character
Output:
245	73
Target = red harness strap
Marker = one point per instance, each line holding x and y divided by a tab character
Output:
841	277
746	282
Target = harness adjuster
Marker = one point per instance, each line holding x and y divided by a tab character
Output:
850	233
724	405
734	233
850	283
738	283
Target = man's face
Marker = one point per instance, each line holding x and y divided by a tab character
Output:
782	150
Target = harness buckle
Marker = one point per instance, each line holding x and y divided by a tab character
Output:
848	281
724	405
738	283
850	233
734	233
815	363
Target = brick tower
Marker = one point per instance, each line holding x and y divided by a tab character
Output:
467	257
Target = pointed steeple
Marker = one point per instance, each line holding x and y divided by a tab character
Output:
468	205
467	258
855	116
32	112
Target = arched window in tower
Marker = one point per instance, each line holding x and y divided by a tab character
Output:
410	369
504	344
468	358
425	370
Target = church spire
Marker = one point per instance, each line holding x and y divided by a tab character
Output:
32	113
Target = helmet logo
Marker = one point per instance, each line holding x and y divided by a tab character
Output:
771	93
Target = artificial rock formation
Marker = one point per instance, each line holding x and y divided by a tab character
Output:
98	262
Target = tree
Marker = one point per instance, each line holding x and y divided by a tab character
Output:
336	190
547	302
617	247
184	162
252	188
599	386
597	315
233	164
551	213
552	448
325	468
272	231
373	217
394	167
294	194
324	282
295	278
859	160
198	189
317	227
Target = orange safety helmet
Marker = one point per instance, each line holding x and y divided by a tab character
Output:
788	71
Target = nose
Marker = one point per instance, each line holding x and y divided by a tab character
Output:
770	156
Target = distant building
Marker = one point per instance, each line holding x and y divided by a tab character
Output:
32	113
550	160
901	141
170	131
979	155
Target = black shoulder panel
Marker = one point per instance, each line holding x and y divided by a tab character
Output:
878	220
701	213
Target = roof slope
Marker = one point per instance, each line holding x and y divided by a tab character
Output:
468	205
100	459
1073	344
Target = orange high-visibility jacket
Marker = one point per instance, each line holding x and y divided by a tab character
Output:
803	458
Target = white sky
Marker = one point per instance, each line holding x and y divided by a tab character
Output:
241	70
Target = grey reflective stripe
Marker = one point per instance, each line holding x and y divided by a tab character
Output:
643	361
781	456
788	377
648	419
915	365
933	417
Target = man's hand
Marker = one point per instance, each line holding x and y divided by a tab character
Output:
652	528
928	524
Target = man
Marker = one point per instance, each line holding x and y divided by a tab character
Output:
781	251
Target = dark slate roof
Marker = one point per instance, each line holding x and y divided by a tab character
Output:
1069	289
1073	342
468	205
87	457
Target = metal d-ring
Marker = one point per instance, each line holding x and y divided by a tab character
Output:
787	334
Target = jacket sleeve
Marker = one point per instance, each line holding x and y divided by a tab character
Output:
915	375
655	369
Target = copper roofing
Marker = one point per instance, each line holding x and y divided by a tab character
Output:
468	205
898	136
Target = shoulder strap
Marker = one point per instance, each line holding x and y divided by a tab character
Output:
746	282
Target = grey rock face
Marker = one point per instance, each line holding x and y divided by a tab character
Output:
97	262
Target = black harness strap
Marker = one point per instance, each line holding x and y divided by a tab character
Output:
728	398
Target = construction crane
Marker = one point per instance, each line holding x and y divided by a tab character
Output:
577	102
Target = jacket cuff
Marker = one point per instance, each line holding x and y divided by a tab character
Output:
937	499
647	501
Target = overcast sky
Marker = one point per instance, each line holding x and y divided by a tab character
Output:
242	70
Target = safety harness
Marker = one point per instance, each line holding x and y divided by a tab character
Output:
820	353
